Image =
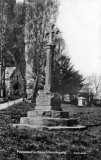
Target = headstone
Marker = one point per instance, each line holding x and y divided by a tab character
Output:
81	101
67	98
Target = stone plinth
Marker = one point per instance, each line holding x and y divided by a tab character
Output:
50	128
65	128
48	101
52	113
48	121
48	115
42	119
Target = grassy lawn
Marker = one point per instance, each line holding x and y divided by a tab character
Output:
79	145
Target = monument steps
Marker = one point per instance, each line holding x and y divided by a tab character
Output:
62	128
50	128
47	117
52	113
49	121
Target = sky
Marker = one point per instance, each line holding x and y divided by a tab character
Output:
80	24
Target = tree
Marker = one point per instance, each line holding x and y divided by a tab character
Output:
6	16
12	47
66	79
40	15
19	49
95	84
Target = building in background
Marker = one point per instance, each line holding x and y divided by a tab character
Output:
14	82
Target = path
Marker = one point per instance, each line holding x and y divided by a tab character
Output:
10	103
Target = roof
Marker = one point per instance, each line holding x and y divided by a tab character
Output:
9	71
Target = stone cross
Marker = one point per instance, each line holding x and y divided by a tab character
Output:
48	70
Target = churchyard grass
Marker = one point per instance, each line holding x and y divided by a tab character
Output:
81	145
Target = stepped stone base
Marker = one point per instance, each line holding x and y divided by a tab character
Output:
51	113
70	128
53	128
48	121
48	115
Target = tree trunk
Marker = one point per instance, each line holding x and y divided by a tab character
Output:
35	89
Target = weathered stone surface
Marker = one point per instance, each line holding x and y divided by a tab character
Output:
31	120
24	120
64	114
59	122
61	114
50	113
27	126
33	113
48	99
43	101
48	121
49	128
64	128
45	108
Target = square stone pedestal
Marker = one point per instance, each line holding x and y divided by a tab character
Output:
48	101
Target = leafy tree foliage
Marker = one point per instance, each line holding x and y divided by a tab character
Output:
40	15
7	23
12	35
65	78
95	84
6	18
28	23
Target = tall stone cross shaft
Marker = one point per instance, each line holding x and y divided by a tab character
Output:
48	71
